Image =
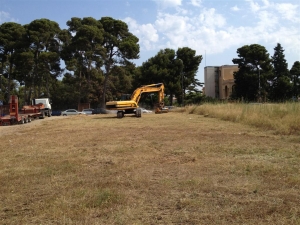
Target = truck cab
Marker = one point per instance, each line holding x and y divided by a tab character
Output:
46	102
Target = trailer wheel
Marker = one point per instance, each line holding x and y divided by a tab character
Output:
43	115
13	121
49	113
25	120
29	119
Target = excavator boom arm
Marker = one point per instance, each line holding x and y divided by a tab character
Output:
149	88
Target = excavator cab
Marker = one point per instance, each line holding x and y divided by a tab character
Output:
125	97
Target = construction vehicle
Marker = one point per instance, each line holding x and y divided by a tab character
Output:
131	106
27	113
47	105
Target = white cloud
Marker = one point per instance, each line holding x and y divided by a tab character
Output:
253	6
209	31
168	3
146	33
171	23
5	16
288	11
198	32
267	21
210	18
182	11
196	3
266	2
235	8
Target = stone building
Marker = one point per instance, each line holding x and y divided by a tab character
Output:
219	81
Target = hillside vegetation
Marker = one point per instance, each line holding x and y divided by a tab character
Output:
172	168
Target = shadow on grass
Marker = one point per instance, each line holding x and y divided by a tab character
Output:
113	116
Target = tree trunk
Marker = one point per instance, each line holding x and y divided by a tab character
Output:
102	104
29	95
171	99
79	87
9	82
47	86
106	78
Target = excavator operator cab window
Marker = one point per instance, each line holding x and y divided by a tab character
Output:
125	97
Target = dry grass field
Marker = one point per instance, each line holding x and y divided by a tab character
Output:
173	168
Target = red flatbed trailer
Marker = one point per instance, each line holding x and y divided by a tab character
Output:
27	114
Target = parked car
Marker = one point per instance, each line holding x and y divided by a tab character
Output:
99	111
88	111
144	110
69	112
56	113
170	107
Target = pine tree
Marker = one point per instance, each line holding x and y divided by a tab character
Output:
280	82
295	75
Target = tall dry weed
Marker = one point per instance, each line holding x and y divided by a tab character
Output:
281	118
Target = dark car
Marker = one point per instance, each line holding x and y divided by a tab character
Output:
56	113
98	111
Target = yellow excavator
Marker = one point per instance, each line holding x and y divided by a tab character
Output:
131	106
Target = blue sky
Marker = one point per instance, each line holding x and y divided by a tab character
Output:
214	28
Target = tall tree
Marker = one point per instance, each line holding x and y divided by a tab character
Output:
120	81
280	82
43	37
177	70
84	54
165	68
295	74
11	41
120	47
24	72
191	64
255	69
